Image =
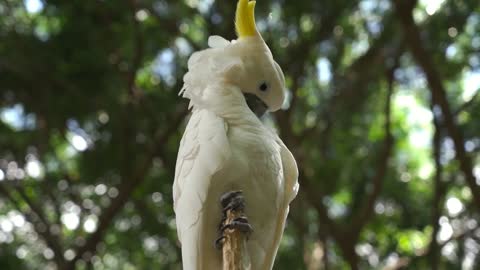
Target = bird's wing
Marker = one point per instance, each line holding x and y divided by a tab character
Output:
203	151
290	177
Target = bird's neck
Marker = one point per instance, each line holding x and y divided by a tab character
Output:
229	103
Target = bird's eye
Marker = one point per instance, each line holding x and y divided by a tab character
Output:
263	87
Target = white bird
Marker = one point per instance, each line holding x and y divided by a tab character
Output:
226	147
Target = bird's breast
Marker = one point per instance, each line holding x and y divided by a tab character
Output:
255	167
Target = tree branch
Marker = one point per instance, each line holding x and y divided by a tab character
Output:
440	189
423	58
51	240
125	189
366	212
315	199
467	104
351	86
132	179
234	248
138	50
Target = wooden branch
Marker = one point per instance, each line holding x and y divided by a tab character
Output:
234	232
234	245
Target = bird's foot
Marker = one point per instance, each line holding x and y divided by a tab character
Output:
219	242
232	200
233	218
241	224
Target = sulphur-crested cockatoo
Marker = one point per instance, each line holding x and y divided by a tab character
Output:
226	147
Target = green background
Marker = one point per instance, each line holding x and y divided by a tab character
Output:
382	118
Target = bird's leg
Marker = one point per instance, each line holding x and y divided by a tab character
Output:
232	199
233	218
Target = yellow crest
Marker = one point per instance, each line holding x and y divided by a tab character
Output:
245	18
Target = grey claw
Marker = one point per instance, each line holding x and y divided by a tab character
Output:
232	201
219	242
240	223
229	196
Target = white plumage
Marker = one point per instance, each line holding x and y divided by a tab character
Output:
226	147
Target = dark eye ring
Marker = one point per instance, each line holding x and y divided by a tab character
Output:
263	87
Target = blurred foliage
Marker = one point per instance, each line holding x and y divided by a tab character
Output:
90	122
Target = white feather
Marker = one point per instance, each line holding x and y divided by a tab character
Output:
217	42
203	151
225	147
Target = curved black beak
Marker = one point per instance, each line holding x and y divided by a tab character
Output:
258	107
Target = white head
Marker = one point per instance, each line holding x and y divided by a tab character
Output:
246	63
259	76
